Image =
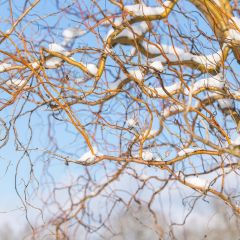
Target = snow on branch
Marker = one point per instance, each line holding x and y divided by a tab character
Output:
186	151
162	92
226	103
35	64
154	50
54	62
16	83
236	141
131	123
89	157
54	47
198	182
134	74
174	55
4	67
147	155
216	81
70	34
210	60
92	68
207	61
156	65
234	33
137	73
129	33
218	2
173	109
142	10
149	134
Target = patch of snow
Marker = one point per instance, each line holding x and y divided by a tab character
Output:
79	80
34	65
137	73
4	66
132	51
137	29
70	34
174	54
150	134
92	68
210	60
213	95
215	81
185	151
151	49
147	155
171	110
236	93
108	34
88	157
226	103
233	35
158	159
144	177
236	20
171	89
8	31
53	62
93	193
198	182
54	47
156	49
167	4
131	122
157	66
114	85
143	10
108	50
236	141
171	57
118	21
207	60
208	96
17	83
217	2
169	49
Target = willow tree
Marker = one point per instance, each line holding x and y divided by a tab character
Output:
115	103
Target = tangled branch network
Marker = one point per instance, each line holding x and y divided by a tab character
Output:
97	94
